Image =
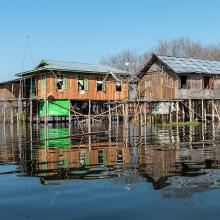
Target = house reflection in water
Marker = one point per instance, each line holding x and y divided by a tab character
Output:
179	161
158	163
182	165
58	159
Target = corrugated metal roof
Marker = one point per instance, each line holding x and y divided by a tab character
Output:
74	67
80	67
9	81
191	65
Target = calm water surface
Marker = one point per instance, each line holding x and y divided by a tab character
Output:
133	173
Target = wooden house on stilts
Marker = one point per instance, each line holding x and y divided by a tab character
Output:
57	89
182	88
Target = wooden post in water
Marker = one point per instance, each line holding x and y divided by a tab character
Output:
69	113
183	113
117	118
140	119
12	104
177	111
12	113
123	112
31	102
46	111
205	109
202	106
31	111
37	112
89	117
213	110
109	116
145	113
46	101
4	112
170	112
190	110
19	112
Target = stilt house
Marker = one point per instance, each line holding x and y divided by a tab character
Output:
192	85
173	78
55	86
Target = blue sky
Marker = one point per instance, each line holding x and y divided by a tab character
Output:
86	30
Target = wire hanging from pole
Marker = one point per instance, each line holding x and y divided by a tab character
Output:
25	52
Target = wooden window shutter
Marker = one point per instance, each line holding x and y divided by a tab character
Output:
104	87
86	84
65	83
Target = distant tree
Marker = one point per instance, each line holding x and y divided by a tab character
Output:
185	47
127	60
179	47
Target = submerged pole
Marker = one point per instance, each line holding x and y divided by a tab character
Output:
89	117
109	116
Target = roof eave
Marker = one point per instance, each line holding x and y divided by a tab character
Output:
64	70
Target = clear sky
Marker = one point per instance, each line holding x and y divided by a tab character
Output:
86	30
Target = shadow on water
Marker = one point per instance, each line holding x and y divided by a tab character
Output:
179	161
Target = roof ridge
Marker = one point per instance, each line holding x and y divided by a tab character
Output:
45	60
195	58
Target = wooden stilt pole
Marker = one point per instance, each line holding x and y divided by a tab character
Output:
4	112
140	113
183	113
202	106
37	112
12	106
18	112
117	117
89	118
123	112
170	112
69	113
46	111
177	112
145	113
109	116
31	111
213	110
190	110
12	115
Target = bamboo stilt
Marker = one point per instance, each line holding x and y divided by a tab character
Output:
109	117
213	110
190	110
177	111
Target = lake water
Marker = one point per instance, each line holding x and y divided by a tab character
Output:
158	172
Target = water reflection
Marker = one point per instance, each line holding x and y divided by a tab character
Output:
180	161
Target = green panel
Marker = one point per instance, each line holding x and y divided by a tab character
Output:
43	82
55	108
42	108
86	84
65	83
104	87
55	133
44	168
102	157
